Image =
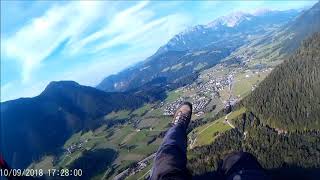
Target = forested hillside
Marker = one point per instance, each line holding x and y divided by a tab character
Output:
285	156
289	98
286	101
42	124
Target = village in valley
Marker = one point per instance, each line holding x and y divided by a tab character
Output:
216	84
215	89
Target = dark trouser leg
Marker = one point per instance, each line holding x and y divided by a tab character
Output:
242	165
171	158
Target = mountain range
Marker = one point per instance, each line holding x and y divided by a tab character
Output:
284	41
34	127
199	48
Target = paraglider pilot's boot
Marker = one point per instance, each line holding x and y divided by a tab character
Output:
171	159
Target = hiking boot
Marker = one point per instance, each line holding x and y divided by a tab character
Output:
183	114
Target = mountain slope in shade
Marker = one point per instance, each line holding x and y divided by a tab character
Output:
43	123
198	48
289	98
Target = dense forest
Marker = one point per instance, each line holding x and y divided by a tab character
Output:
289	98
276	152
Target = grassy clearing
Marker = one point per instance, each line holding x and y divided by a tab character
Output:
132	157
87	135
173	95
157	124
68	159
233	115
148	122
121	133
163	123
207	133
101	130
45	163
141	111
224	94
145	149
155	120
141	174
138	137
123	114
130	143
140	141
243	84
199	66
73	139
154	113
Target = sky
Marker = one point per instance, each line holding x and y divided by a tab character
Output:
85	41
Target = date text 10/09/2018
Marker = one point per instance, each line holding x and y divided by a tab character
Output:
40	172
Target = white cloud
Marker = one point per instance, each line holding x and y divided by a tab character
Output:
37	39
121	22
42	35
89	74
6	88
93	73
124	25
143	42
130	35
134	24
138	27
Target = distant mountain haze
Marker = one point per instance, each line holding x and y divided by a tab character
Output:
235	25
198	48
283	41
304	26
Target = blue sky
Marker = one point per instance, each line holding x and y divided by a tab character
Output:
43	41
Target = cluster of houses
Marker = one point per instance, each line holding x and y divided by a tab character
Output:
170	108
76	146
135	169
202	89
209	84
200	103
213	84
